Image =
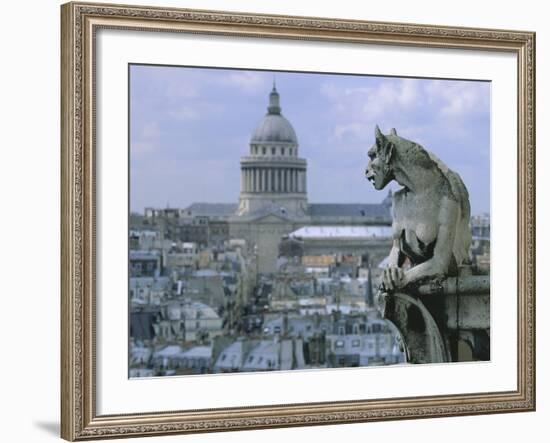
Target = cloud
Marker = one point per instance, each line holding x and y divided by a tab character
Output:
150	130
183	113
459	99
391	96
414	104
180	89
349	130
146	140
195	111
246	81
140	148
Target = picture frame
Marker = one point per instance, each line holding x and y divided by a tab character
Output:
80	240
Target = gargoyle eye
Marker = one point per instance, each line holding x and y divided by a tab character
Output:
372	153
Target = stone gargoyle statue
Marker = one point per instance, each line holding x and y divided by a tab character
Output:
430	249
431	213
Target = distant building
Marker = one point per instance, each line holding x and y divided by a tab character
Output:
481	226
149	291
145	263
182	255
252	355
480	249
188	321
176	360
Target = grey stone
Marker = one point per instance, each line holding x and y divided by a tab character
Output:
427	290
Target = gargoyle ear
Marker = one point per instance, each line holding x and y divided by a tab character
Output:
393	131
377	133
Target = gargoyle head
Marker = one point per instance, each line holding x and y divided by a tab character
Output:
379	170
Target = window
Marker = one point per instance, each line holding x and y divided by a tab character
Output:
263	151
273	150
355	343
282	151
339	343
250	359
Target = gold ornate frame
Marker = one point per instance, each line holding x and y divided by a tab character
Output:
79	22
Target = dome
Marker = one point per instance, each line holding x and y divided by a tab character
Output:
274	127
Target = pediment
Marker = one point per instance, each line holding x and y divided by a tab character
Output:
269	218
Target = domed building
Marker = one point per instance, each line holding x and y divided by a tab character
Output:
273	176
273	201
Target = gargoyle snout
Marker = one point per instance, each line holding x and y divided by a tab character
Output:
369	174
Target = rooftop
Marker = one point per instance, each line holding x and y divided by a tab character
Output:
343	232
212	209
368	210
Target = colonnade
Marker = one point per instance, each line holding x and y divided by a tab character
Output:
279	180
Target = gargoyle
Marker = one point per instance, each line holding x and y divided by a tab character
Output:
431	213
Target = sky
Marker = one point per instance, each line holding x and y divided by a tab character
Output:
190	126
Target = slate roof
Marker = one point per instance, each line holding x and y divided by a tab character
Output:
272	209
212	209
369	210
342	232
141	325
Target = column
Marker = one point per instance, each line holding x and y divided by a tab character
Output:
269	178
242	180
276	171
290	180
293	180
256	180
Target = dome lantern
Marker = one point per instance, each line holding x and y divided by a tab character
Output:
274	107
274	127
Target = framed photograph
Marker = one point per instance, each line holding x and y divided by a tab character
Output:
277	221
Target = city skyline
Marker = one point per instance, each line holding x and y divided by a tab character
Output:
188	121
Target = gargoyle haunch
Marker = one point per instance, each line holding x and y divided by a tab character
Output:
431	234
